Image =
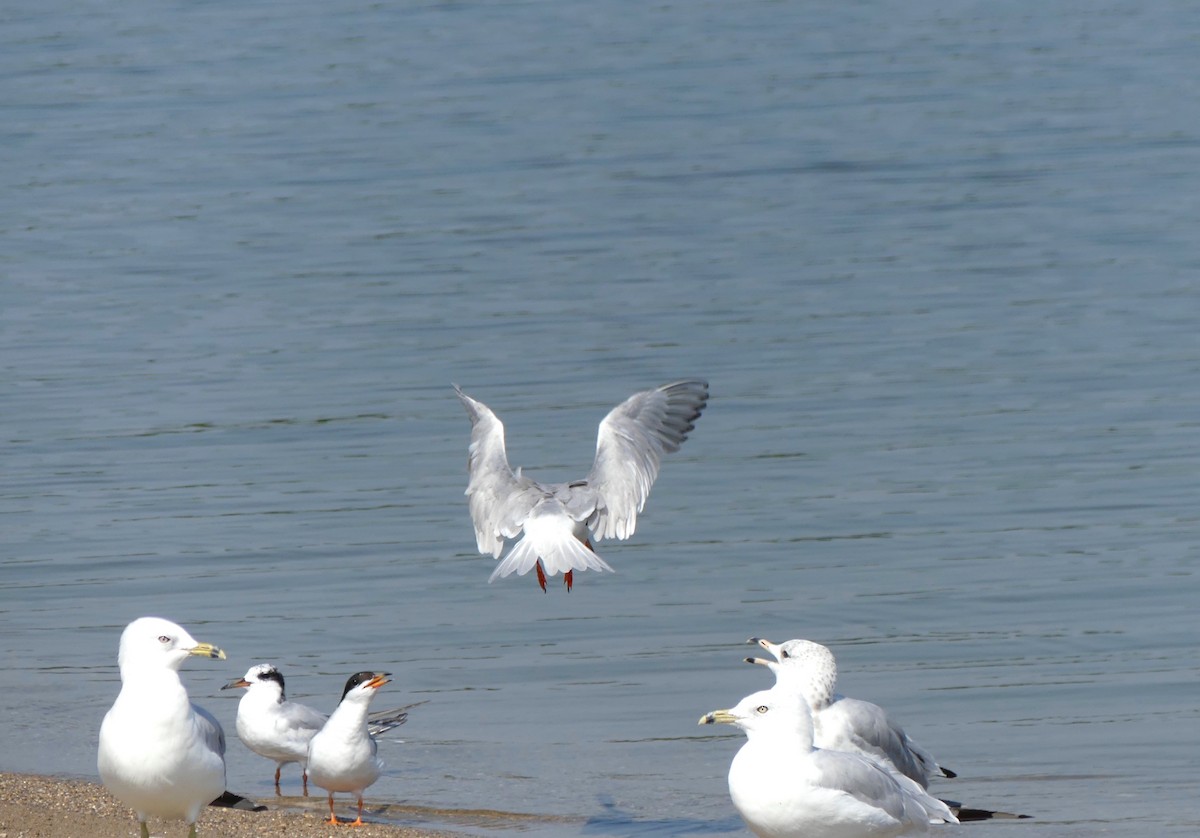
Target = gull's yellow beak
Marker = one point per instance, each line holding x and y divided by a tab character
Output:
207	650
717	717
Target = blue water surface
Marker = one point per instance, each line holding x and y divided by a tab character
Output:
938	261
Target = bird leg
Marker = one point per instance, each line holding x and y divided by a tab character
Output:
304	774
277	793
569	576
358	822
541	575
332	816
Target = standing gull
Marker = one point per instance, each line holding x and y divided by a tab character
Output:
557	522
160	754
784	787
840	723
280	730
342	756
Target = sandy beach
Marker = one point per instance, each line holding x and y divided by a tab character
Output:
49	807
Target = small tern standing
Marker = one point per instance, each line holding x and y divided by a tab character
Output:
280	730
272	726
342	756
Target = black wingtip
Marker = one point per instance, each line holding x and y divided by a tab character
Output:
967	813
229	800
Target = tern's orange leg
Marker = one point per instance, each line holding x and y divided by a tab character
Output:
332	816
541	575
277	767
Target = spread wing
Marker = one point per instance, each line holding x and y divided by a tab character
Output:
498	498
631	443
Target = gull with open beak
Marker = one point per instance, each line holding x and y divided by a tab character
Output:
160	754
849	724
845	724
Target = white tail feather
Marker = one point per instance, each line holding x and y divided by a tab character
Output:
550	538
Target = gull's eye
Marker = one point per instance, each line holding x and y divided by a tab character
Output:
162	638
760	709
784	654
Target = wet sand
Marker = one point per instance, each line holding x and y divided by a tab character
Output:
49	807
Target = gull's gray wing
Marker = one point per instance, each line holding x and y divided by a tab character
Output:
632	440
499	499
862	779
209	729
853	725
